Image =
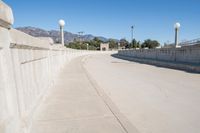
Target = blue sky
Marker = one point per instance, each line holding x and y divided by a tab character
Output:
153	19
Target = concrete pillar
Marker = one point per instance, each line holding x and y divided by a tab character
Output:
62	35
9	109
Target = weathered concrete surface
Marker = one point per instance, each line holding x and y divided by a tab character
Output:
155	100
21	38
75	106
189	54
6	15
8	103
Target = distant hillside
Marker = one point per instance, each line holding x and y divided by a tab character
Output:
55	35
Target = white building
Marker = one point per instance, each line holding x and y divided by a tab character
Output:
104	46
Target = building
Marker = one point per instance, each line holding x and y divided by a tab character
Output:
104	46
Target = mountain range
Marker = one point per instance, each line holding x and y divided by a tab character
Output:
55	35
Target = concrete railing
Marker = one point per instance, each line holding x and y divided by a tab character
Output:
28	68
184	58
188	54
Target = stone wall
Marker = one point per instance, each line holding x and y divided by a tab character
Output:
28	69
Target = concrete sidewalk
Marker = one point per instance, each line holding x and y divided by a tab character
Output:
74	106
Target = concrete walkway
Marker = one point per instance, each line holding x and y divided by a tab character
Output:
154	99
102	94
75	105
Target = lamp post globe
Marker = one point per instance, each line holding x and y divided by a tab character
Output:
176	27
62	24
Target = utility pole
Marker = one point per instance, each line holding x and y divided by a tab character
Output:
80	33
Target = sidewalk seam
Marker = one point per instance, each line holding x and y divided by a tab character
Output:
108	102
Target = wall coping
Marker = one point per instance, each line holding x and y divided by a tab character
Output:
23	39
6	15
164	49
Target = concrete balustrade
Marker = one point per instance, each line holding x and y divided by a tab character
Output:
28	69
186	58
187	54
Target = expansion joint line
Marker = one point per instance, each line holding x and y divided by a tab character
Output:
103	96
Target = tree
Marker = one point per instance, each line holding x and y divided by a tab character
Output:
112	44
123	43
135	44
92	44
95	42
150	44
138	44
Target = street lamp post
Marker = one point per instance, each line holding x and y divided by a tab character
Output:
87	46
131	43
176	27
132	27
62	24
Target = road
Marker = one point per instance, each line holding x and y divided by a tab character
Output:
153	99
76	105
103	94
